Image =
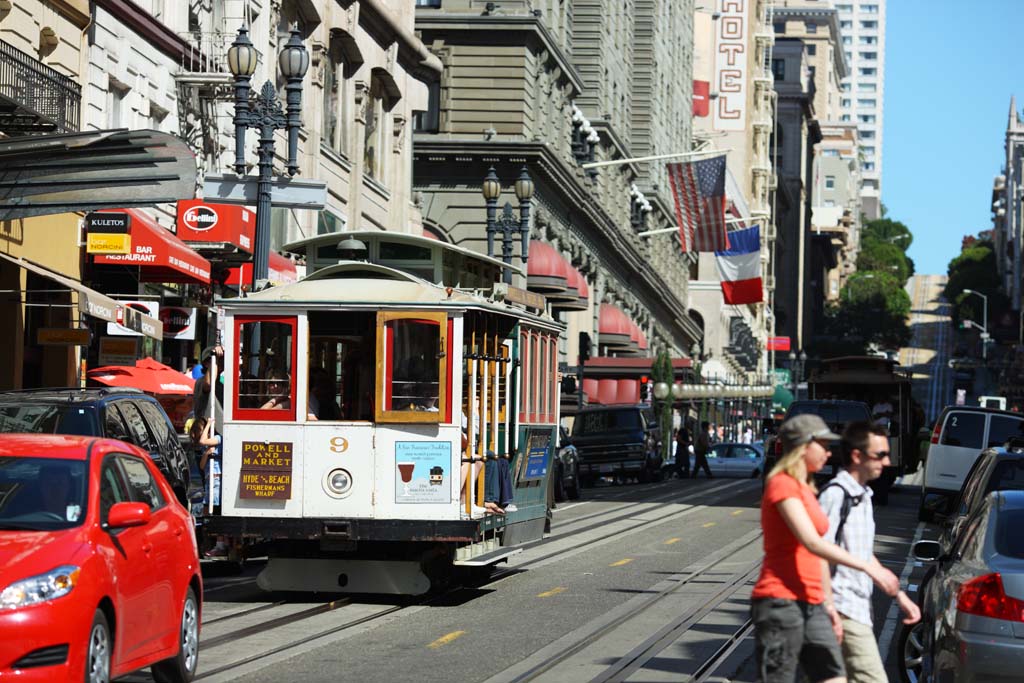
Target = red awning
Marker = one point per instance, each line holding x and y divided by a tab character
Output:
614	328
160	255
545	269
282	271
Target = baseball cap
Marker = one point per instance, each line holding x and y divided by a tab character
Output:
802	429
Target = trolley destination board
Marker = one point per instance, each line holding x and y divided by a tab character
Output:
266	470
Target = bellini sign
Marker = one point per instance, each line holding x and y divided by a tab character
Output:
731	66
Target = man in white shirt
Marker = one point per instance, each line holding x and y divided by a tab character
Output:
851	524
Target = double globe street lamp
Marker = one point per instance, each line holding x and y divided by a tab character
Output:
265	114
507	224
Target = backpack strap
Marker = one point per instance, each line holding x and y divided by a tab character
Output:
849	501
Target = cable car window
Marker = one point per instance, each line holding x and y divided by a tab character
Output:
341	352
411	366
265	380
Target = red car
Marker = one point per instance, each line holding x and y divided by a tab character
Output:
99	570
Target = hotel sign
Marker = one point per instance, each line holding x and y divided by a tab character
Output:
730	77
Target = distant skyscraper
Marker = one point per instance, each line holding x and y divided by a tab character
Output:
862	24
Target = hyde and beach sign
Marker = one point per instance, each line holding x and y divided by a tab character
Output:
266	470
731	66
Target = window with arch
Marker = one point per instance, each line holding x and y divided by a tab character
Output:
337	97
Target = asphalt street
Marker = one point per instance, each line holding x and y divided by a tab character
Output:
637	582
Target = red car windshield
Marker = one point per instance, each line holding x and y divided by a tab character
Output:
41	494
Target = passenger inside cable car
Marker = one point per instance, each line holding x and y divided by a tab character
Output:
278	392
343	347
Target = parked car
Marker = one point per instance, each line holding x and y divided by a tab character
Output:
734	460
567	468
960	434
124	414
107	576
618	441
996	469
973	607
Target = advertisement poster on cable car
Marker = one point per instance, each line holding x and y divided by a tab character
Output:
537	446
422	468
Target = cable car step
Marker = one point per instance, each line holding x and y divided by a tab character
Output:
485	558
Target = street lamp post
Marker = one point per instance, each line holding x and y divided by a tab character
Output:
265	114
796	366
984	320
507	224
661	392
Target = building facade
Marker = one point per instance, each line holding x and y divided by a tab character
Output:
862	24
43	53
737	115
551	87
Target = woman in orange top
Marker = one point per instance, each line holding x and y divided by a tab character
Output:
791	606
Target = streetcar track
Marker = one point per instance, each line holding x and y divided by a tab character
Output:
283	620
712	663
636	658
565	652
242	613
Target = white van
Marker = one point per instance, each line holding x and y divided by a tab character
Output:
961	434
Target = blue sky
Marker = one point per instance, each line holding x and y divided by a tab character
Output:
950	67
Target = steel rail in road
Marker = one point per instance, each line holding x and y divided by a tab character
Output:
678	626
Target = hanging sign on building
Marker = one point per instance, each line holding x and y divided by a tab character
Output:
108	233
63	336
179	322
202	225
731	58
129	322
117	351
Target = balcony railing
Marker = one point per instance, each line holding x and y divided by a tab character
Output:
35	98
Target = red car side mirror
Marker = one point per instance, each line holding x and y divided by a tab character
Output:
123	515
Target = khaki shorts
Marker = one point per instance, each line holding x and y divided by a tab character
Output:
790	632
860	653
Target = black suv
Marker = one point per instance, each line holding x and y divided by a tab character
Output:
618	441
124	414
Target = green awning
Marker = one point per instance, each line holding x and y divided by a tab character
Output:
781	398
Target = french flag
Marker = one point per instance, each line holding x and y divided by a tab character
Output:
740	267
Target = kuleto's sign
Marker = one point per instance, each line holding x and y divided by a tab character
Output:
266	470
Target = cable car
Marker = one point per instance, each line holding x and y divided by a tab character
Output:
379	415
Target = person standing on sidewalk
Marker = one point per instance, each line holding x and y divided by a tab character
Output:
682	467
795	622
701	448
846	501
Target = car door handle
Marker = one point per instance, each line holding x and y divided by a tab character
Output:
179	531
147	548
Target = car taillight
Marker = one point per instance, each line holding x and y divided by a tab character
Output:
937	431
984	596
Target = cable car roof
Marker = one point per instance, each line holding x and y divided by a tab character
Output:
327	290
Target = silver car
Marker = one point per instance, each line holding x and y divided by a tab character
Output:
973	606
734	460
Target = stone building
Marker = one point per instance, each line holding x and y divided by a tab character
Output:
43	52
739	117
837	204
550	87
809	66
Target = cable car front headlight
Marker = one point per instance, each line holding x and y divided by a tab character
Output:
338	483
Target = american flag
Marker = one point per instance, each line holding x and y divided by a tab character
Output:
698	188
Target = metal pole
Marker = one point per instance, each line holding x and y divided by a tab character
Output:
677	155
506	241
492	209
660	231
261	254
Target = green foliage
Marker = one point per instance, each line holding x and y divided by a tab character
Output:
661	371
975	268
889	231
884	257
872	310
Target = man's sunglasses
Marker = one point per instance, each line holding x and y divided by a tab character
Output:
880	455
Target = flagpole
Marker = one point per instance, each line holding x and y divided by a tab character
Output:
645	233
619	162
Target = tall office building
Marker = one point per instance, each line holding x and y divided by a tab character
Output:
862	24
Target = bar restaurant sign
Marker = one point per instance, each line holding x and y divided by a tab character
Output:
266	470
108	233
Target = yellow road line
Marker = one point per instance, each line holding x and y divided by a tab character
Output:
621	562
737	512
709	524
553	591
445	639
672	540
